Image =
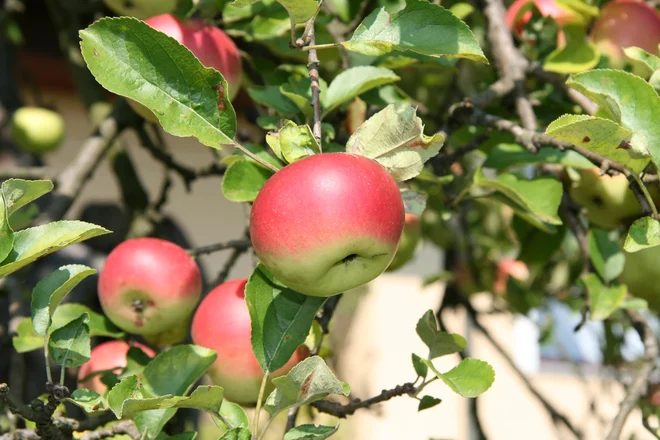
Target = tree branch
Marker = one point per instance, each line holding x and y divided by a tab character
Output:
343	411
313	67
27	173
126	427
640	382
231	244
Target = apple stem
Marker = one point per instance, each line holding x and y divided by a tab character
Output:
256	158
260	398
49	375
320	46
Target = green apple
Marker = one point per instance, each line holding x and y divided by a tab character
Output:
641	275
141	9
412	231
37	130
436	229
608	199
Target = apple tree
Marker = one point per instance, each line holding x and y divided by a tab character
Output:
520	139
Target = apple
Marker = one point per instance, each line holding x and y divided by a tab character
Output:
515	19
508	267
412	231
222	323
327	223
640	274
150	287
108	356
436	229
608	199
37	130
209	44
141	8
626	23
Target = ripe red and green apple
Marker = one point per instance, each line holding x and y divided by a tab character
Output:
150	287
327	223
222	323
108	356
412	232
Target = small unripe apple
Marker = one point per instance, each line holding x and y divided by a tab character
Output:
150	287
412	231
626	23
37	130
141	8
209	44
222	323
108	356
640	274
608	199
327	223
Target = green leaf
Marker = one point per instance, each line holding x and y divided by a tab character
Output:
469	378
420	367
428	402
23	218
272	97
643	233
300	10
6	233
503	156
577	55
281	318
26	338
421	27
307	382
353	82
51	290
395	138
310	432
182	436
69	346
188	362
205	398
243	180
231	416
526	193
605	254
99	325
439	343
603	300
628	100
19	192
599	135
293	142
33	243
650	61
237	434
89	400
634	304
132	59
413	202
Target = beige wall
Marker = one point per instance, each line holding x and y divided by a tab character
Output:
375	336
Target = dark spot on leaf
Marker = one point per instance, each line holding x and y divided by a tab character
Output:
624	145
586	139
306	385
220	88
95	52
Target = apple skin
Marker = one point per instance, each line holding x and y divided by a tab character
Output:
109	355
150	287
327	223
222	323
640	274
608	199
37	130
412	232
209	44
141	8
547	8
626	23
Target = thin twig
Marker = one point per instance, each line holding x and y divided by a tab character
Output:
27	173
343	411
126	427
231	244
313	67
638	387
292	416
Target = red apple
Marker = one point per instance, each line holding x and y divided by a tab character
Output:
327	223
149	287
107	356
508	267
548	8
412	231
222	323
209	44
626	23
